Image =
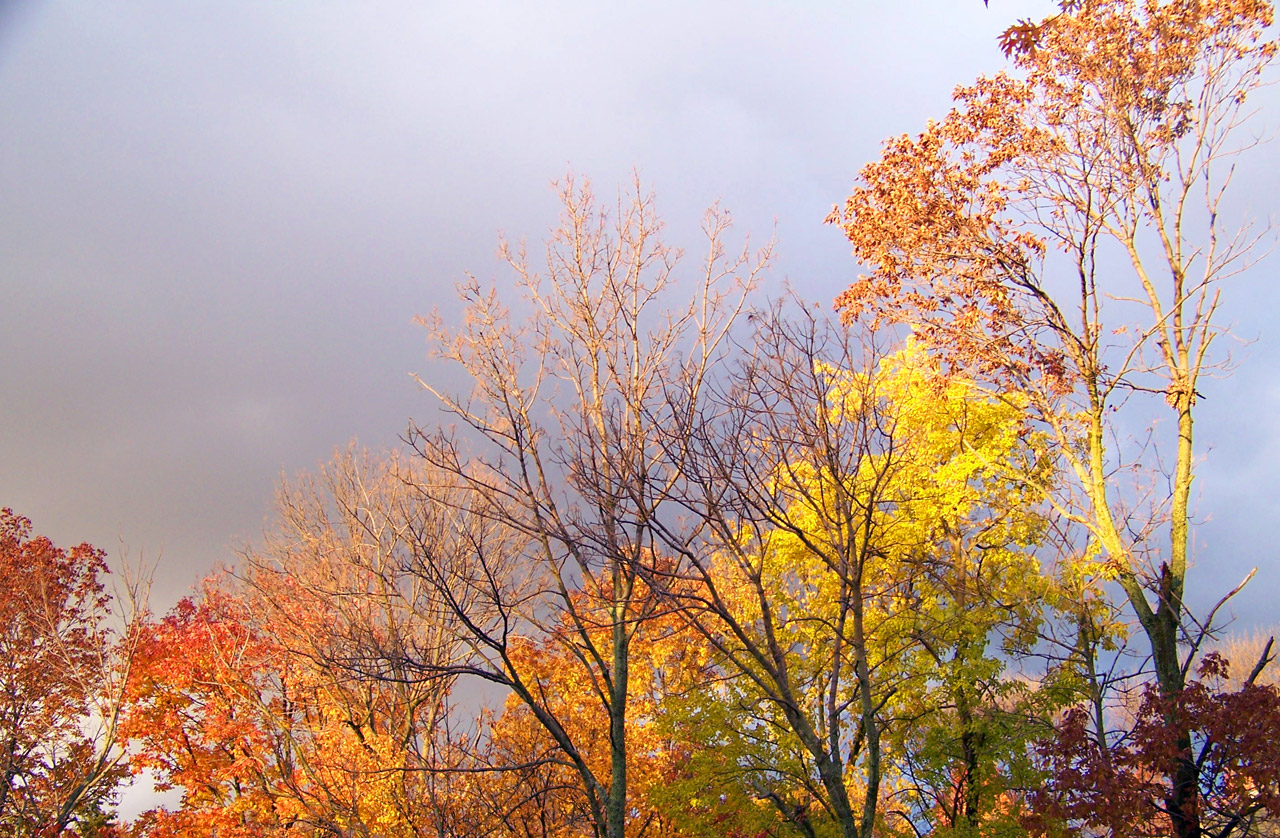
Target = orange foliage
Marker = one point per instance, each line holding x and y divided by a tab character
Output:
203	702
262	738
667	658
954	222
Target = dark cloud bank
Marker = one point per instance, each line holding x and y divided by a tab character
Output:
217	220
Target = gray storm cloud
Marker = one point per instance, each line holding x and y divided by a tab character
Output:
217	220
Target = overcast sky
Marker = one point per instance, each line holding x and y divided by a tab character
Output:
218	219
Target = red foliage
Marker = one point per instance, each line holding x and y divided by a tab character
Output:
54	652
1122	789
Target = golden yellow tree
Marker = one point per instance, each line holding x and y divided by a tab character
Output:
855	531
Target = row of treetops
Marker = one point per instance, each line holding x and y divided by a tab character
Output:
737	567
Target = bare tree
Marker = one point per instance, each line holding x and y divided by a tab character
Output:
560	451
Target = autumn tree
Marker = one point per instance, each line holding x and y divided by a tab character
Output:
270	700
853	544
533	787
201	720
784	489
333	581
965	528
261	739
65	654
1232	734
558	447
1063	233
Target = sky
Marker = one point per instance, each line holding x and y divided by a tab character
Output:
219	219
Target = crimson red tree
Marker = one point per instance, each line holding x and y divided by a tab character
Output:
60	678
1118	790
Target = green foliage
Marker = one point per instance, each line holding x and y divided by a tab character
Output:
740	774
